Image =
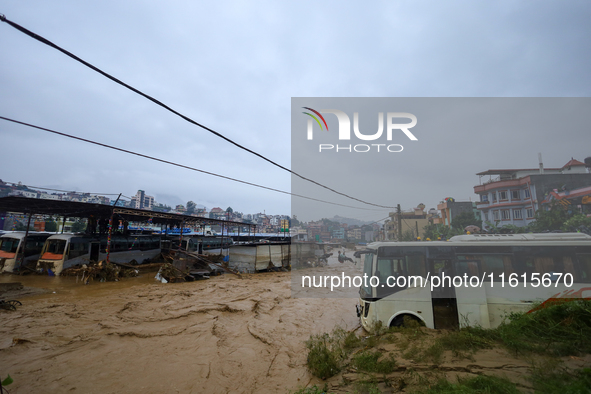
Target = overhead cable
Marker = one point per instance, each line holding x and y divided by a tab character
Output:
51	44
181	165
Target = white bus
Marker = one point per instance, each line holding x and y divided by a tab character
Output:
197	244
471	279
11	249
62	251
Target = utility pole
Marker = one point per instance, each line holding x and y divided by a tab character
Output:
399	222
110	229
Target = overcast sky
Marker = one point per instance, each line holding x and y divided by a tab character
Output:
234	67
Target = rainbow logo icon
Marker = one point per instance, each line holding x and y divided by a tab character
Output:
315	118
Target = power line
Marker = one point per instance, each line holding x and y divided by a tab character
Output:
180	165
51	44
387	217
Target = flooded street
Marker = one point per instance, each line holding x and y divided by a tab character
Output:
220	335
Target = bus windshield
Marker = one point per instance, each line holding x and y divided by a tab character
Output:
365	289
9	245
55	249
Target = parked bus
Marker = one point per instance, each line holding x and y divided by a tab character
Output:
11	249
62	251
197	243
499	274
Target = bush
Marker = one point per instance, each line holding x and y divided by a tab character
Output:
477	385
559	330
327	353
562	382
368	362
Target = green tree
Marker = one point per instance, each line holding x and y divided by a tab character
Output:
513	229
465	219
78	226
439	231
408	235
492	228
575	222
22	227
229	210
50	225
551	219
190	207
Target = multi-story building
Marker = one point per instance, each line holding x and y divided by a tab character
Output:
298	233
47	196
142	201
201	212
338	233
413	221
513	196
24	193
314	231
370	236
451	208
217	213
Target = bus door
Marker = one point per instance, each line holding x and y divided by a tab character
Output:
402	275
471	296
95	250
443	295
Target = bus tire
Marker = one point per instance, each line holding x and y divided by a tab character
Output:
399	321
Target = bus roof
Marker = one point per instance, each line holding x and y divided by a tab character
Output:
21	234
539	239
68	236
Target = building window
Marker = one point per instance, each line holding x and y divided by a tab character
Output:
483	198
517	214
503	195
515	195
529	212
526	193
494	197
505	214
496	215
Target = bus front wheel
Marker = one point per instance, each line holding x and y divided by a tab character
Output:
406	321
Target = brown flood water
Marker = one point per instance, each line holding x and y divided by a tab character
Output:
222	335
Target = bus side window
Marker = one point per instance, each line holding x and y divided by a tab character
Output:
78	249
415	265
438	267
543	265
554	265
497	265
524	265
468	265
569	266
387	268
584	265
508	265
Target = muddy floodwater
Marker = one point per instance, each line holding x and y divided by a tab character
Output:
222	335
